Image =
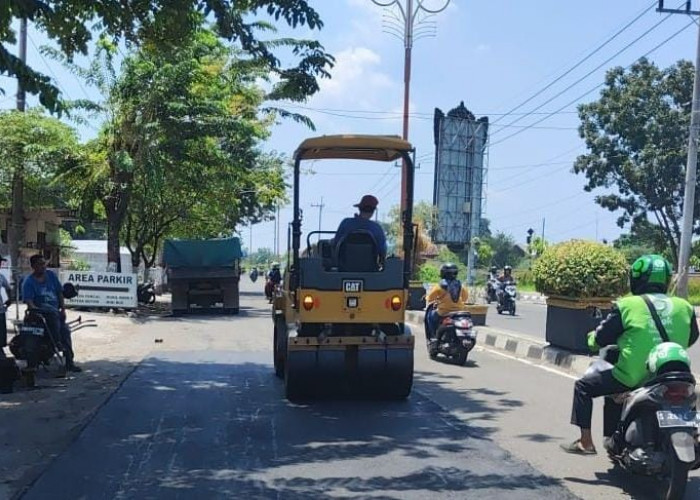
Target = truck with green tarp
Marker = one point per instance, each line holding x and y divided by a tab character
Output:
203	275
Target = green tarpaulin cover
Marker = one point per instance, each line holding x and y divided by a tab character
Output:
202	253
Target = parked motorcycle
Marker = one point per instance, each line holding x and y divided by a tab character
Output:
146	293
34	343
657	433
506	298
454	339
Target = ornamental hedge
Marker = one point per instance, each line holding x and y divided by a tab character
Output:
581	269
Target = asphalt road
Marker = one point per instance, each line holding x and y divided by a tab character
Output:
212	423
529	319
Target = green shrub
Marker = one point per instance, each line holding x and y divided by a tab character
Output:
581	269
429	273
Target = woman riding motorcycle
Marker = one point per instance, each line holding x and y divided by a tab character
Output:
448	296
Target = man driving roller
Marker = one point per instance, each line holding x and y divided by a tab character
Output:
362	221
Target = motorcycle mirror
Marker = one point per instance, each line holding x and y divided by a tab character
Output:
70	291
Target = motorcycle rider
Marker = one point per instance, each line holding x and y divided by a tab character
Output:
507	276
449	296
631	326
504	279
274	278
491	283
42	290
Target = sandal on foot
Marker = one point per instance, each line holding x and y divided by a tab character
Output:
575	448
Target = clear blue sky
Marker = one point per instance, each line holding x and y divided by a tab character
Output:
493	55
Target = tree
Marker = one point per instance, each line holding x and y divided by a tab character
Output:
537	246
261	257
484	254
33	148
71	24
643	238
198	100
423	215
636	134
504	250
205	174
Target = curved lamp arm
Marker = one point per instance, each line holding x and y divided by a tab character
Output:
431	11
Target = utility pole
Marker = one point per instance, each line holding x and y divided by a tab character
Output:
277	231
543	230
691	164
320	213
407	26
16	234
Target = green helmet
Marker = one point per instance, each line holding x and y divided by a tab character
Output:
650	274
666	353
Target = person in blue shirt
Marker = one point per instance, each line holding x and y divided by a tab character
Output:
43	291
363	222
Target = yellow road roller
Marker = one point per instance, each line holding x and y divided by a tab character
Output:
339	323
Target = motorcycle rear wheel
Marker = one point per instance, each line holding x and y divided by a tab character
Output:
461	358
677	481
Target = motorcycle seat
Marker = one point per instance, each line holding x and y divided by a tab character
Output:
460	314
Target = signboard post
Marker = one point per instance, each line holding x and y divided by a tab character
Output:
97	289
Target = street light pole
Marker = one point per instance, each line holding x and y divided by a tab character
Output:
409	10
16	236
691	165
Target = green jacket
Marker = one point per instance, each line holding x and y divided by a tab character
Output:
631	326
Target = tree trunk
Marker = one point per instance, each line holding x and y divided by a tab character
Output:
135	259
114	263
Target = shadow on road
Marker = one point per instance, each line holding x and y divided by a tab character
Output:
637	487
223	429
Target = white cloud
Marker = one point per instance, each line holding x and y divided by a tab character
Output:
356	79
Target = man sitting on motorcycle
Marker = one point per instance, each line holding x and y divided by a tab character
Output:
448	296
274	278
631	326
42	291
504	279
507	276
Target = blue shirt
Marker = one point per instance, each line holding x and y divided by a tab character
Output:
357	223
44	295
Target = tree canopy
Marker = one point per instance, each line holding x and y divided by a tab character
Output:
636	134
72	24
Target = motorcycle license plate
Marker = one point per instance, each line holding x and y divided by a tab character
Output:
669	419
30	330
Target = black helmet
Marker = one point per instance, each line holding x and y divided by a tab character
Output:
507	269
449	271
650	274
493	269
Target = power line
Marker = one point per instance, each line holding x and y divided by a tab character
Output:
376	118
578	64
414	114
664	42
584	77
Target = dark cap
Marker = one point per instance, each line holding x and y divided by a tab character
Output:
2	259
368	201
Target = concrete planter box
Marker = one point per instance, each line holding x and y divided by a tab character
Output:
478	312
570	320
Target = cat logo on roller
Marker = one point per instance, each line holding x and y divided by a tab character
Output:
339	325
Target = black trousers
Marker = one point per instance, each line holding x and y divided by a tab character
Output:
594	385
3	330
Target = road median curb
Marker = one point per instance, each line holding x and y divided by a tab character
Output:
524	347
